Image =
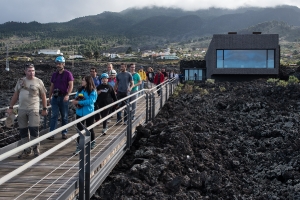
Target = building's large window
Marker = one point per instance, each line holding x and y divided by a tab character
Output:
193	74
245	59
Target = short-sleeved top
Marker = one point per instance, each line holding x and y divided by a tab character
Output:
136	78
29	93
96	80
124	79
61	81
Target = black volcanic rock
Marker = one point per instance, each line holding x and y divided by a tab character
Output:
238	143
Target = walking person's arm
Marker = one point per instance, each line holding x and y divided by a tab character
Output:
44	102
13	101
70	89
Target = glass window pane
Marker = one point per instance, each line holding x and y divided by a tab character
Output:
245	58
271	63
220	59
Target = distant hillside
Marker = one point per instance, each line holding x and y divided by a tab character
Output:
171	24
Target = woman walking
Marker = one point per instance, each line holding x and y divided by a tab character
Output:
84	102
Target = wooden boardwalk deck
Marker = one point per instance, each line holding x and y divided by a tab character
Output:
51	176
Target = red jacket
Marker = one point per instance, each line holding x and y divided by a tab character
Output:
162	78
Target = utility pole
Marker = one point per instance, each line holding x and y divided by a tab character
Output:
7	61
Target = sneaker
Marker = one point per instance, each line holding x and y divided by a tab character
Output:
25	153
64	136
132	119
36	152
51	138
125	123
108	121
104	131
93	144
76	151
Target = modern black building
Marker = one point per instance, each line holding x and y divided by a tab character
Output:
235	56
243	56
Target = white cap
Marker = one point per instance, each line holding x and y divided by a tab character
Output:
113	72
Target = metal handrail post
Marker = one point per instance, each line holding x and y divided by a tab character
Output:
167	92
153	106
45	121
147	107
49	113
129	123
81	172
161	96
87	145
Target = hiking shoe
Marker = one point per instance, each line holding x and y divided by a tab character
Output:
104	131
64	136
93	144
51	138
36	152
76	151
25	153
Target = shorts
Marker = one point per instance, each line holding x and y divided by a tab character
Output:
28	118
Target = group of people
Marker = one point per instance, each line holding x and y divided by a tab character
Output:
94	93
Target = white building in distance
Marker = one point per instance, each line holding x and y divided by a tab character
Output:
50	52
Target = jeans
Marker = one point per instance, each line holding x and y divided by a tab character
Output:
121	95
133	105
88	122
59	105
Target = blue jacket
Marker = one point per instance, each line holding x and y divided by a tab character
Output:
88	103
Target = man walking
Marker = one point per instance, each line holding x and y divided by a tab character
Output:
29	90
143	76
137	81
60	89
123	86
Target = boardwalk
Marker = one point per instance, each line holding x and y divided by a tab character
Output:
56	175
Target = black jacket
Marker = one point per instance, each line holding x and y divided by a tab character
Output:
106	96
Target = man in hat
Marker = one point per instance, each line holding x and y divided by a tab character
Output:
29	90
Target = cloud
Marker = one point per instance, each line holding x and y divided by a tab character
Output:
62	11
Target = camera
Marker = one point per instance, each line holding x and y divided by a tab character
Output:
56	92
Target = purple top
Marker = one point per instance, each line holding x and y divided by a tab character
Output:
61	81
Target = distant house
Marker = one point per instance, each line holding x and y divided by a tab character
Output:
243	56
235	56
168	57
73	57
50	52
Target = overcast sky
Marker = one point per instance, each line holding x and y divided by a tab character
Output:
45	11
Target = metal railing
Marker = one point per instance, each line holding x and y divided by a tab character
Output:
88	164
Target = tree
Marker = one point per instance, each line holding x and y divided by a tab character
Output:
129	50
96	55
88	54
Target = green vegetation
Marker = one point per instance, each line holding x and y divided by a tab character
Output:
222	89
293	80
210	81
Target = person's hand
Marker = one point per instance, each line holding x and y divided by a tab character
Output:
44	112
75	102
99	91
66	98
9	111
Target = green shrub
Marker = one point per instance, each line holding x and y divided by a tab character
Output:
293	80
212	81
282	83
272	80
222	89
189	82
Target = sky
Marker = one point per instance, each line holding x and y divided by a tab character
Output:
45	11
